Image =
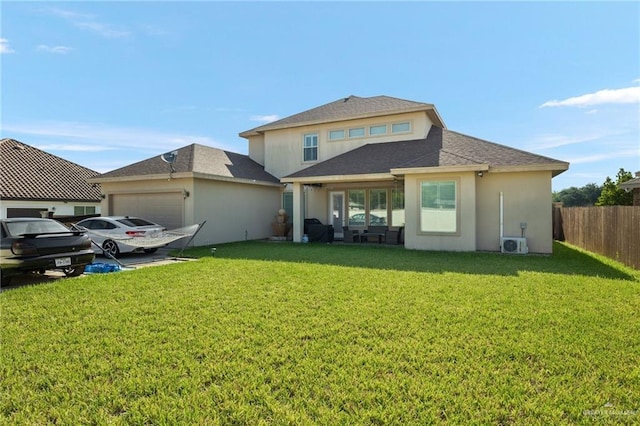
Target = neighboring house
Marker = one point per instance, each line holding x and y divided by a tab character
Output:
34	183
633	185
363	161
231	192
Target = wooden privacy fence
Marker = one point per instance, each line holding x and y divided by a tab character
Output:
612	231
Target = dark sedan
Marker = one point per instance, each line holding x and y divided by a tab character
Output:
37	245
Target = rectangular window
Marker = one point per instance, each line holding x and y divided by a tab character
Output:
310	148
397	207
83	210
358	132
378	130
287	205
401	127
356	208
378	207
335	135
438	207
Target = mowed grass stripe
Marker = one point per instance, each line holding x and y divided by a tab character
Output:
305	336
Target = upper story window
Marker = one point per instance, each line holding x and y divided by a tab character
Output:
357	132
310	147
401	127
335	135
378	130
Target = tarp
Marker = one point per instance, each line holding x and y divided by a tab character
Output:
150	239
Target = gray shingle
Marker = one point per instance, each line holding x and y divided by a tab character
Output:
27	173
441	148
347	109
201	159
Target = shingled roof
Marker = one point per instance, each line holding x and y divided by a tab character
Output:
197	159
350	108
441	148
27	173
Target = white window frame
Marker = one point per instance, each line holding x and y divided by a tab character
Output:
308	143
332	138
386	129
393	125
364	132
426	218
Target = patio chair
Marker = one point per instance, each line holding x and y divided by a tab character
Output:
351	235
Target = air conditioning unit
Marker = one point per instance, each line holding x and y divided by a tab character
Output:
516	245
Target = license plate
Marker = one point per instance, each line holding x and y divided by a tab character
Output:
63	261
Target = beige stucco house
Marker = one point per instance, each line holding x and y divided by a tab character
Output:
232	193
358	162
355	162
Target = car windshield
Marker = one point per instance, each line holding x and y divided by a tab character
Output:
135	221
35	227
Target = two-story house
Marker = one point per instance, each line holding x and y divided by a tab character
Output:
356	162
359	162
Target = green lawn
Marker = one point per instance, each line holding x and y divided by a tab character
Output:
281	333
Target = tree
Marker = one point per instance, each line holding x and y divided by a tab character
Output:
612	194
578	197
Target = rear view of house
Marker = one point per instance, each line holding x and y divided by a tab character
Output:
362	162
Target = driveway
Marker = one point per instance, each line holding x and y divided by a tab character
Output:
130	261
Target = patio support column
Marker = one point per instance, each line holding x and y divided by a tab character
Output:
298	212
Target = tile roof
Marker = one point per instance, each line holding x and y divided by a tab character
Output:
441	148
196	158
27	173
348	109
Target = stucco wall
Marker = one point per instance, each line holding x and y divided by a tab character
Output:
465	239
234	211
283	148
527	198
316	204
58	208
256	149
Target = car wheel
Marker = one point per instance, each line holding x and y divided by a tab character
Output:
74	271
111	247
151	250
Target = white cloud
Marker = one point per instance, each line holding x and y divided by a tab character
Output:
69	14
4	46
62	50
264	118
555	141
72	147
627	95
88	22
104	30
605	156
91	137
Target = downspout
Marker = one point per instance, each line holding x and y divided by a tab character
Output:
501	218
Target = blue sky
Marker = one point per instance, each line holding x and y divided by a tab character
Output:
106	84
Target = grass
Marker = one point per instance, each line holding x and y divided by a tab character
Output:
280	333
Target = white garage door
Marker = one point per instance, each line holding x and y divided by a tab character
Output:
165	208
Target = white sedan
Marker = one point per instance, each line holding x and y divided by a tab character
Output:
112	233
